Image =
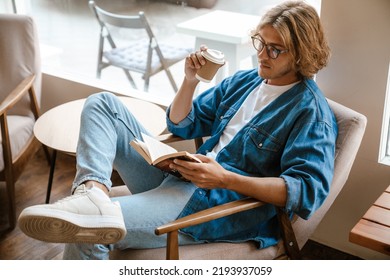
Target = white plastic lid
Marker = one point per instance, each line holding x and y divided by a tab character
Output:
214	56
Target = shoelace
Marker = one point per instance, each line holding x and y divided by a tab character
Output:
80	190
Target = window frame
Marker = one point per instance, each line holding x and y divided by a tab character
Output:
384	145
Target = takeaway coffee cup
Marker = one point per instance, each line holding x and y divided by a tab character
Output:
214	60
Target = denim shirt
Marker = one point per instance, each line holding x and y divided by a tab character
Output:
292	138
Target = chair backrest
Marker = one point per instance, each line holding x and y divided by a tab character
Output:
19	57
351	126
122	21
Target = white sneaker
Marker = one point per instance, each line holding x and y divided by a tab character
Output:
87	216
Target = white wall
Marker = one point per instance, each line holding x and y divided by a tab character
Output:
359	33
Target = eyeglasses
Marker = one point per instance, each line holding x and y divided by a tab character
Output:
272	52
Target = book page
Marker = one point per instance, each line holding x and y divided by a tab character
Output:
143	146
183	155
142	149
157	148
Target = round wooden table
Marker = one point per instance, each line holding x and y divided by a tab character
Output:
59	127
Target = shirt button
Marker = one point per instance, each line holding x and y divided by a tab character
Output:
221	117
260	145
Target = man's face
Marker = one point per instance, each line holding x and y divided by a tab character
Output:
278	71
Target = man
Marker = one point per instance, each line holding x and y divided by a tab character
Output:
272	137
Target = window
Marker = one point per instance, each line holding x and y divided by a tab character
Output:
384	148
69	35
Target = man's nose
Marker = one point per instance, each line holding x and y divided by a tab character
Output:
262	54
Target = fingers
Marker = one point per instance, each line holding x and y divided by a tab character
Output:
178	164
195	59
203	158
203	47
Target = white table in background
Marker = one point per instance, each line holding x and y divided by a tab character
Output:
228	32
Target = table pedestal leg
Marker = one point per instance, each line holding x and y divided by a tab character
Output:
51	174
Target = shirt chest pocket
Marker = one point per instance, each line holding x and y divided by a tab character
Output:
261	153
263	141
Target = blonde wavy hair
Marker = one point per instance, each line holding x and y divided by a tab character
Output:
302	33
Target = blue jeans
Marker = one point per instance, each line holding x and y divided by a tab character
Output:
107	127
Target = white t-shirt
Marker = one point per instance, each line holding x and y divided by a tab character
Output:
257	100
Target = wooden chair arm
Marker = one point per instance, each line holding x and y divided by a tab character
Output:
224	210
201	217
210	214
17	94
169	138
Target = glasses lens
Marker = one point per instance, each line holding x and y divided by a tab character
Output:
272	52
257	44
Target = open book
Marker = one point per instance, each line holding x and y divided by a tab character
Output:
159	154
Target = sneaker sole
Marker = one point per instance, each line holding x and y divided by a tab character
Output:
58	230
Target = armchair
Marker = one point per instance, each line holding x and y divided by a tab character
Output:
294	233
20	78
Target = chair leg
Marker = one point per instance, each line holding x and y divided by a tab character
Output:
171	79
51	175
99	73
130	78
173	245
146	83
288	235
99	68
12	204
